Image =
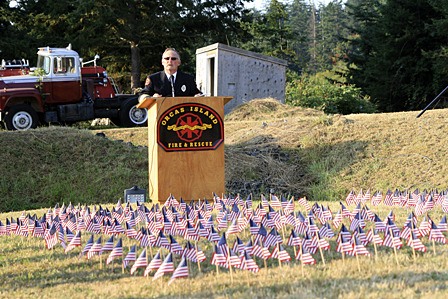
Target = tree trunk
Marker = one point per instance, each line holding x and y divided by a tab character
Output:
135	66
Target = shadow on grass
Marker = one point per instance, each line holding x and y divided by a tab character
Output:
261	164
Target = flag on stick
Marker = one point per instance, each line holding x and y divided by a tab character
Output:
116	252
140	262
166	267
180	272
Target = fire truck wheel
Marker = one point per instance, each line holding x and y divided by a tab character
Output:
131	116
21	117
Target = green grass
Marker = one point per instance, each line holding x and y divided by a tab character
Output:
53	165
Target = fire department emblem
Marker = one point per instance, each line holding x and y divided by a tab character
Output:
190	126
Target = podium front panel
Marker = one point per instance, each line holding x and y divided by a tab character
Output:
186	147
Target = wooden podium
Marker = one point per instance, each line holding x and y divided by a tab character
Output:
185	147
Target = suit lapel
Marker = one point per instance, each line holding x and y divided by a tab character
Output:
166	85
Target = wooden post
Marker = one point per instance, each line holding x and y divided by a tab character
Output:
374	246
357	261
320	249
412	233
230	267
196	248
301	260
395	249
278	252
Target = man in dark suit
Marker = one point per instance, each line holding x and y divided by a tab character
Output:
171	82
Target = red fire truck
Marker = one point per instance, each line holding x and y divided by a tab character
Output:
15	67
63	89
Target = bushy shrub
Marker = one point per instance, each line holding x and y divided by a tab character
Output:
318	92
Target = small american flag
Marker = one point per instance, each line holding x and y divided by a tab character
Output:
155	263
305	257
310	243
377	198
373	237
253	227
350	199
294	239
312	226
416	243
162	241
260	251
61	237
326	231
233	260
218	257
442	224
141	262
3	231
388	201
238	245
95	249
233	228
392	240
180	272
175	246
116	252
213	235
109	245
130	231
436	234
425	226
304	202
321	242
247	263
75	242
337	220
275	202
359	248
273	238
88	246
281	254
344	245
50	237
166	267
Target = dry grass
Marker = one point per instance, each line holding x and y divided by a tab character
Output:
296	151
28	269
305	152
268	145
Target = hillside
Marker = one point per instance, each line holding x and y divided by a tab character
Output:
268	146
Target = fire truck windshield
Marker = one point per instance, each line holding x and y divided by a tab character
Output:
44	63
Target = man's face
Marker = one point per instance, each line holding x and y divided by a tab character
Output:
170	61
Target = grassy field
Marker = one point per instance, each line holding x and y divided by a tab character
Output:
294	151
27	269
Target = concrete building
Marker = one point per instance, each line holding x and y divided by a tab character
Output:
223	70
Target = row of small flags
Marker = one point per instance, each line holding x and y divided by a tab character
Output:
422	202
195	221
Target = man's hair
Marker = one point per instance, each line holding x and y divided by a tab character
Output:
171	49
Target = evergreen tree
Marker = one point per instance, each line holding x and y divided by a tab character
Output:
129	35
331	34
391	65
8	33
270	32
299	23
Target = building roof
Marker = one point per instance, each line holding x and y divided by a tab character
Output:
242	52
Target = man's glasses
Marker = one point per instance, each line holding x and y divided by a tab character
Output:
168	58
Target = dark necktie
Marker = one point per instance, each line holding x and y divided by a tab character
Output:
172	85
